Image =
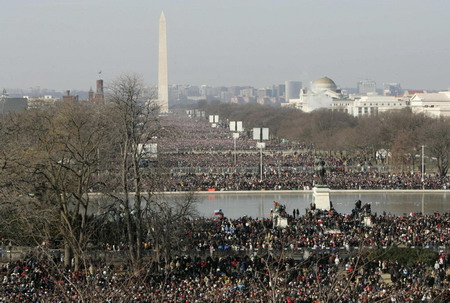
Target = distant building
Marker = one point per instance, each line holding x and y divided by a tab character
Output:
266	100
392	89
324	93
264	92
12	105
372	105
208	92
247	92
409	93
432	104
366	87
99	94
44	101
91	95
237	100
321	93
69	98
226	97
281	90
292	90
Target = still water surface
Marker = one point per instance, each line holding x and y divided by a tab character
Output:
258	204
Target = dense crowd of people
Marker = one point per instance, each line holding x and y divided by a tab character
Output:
322	230
201	157
324	274
320	278
290	180
321	256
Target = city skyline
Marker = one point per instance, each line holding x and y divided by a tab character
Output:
62	44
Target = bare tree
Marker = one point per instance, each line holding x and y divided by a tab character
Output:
165	218
135	119
438	142
56	167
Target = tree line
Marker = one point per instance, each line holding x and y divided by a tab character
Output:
401	133
52	160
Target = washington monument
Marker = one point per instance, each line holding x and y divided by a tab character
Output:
163	86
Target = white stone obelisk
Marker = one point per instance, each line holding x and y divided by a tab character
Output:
163	84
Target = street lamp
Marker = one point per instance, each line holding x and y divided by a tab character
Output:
3	101
260	134
235	136
235	126
423	167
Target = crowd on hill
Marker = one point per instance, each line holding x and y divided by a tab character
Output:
323	274
298	180
321	278
201	157
313	231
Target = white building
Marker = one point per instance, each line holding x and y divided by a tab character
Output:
292	89
322	94
372	104
432	104
325	94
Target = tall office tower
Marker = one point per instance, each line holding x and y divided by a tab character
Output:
367	87
281	90
292	90
163	85
392	89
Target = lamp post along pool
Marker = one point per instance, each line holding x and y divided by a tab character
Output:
423	166
235	137
260	134
236	128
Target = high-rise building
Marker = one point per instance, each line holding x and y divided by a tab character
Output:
281	90
366	87
292	90
163	84
392	89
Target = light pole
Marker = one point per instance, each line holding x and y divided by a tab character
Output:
235	126
260	134
261	146
235	136
3	101
423	167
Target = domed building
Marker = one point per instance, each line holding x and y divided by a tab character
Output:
321	85
322	93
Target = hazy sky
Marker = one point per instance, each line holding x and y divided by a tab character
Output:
62	44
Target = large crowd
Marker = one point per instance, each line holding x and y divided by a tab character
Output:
201	157
257	267
273	180
320	278
321	256
325	230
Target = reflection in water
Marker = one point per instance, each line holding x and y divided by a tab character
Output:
259	204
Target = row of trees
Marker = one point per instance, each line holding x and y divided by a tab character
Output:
400	132
53	159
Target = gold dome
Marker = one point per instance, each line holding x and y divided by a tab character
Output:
323	84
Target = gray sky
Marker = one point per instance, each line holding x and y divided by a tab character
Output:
62	44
